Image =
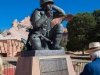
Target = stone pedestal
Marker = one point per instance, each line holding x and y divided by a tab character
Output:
56	63
42	53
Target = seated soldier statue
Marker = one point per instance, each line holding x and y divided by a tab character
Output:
47	30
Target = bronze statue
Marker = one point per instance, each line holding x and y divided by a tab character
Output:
47	31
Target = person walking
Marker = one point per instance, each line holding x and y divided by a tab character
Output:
93	68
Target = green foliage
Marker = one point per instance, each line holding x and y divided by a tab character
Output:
24	48
96	14
0	31
78	31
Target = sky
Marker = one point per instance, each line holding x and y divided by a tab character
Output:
19	9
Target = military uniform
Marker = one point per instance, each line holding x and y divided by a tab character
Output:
44	36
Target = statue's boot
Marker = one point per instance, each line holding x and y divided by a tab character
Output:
58	31
56	42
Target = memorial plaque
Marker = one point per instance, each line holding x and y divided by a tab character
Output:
53	66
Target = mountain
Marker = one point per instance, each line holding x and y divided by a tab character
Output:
17	30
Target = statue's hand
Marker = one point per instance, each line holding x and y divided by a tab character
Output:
68	17
49	13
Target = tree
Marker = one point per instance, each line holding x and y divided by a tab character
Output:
96	14
78	31
0	31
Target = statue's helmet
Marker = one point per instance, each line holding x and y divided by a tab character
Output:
42	2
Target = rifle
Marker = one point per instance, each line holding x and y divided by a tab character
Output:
26	43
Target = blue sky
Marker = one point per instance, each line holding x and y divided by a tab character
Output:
19	9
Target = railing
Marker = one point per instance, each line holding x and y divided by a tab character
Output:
10	66
79	66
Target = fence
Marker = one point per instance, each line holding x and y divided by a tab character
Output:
79	66
10	66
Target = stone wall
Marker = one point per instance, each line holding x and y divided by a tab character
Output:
11	47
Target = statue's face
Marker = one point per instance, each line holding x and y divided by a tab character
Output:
47	6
